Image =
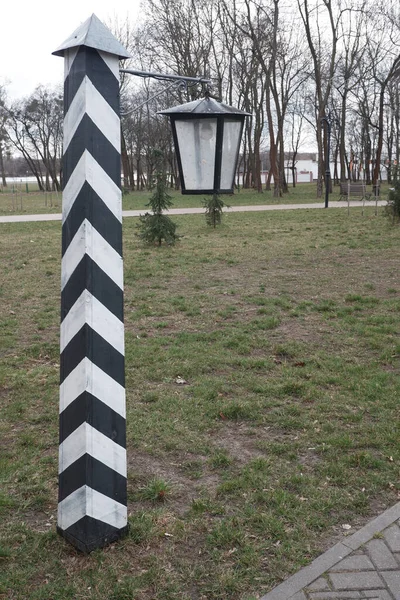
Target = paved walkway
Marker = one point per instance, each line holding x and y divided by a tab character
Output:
191	211
363	565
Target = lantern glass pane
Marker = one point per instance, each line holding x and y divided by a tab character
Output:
197	139
230	147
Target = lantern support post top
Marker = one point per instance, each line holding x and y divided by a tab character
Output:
93	34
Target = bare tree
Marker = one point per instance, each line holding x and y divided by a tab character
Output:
320	21
351	68
260	26
383	48
295	129
289	75
391	128
35	129
176	39
264	56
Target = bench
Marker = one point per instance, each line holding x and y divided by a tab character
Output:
350	189
357	190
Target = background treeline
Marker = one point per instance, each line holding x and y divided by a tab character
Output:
289	63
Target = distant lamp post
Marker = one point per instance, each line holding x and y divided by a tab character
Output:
207	138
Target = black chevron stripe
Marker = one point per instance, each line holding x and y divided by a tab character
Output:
89	344
88	205
93	473
95	533
88	275
89	137
89	62
86	408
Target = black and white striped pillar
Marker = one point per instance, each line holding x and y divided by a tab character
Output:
92	509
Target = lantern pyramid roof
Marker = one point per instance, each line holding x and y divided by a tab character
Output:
203	106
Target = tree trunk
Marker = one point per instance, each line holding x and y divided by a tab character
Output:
321	166
342	142
273	155
3	175
377	166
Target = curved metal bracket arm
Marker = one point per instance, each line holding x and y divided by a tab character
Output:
165	77
177	84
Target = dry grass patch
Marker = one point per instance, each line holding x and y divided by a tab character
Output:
284	329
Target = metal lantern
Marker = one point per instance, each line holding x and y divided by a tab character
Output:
207	138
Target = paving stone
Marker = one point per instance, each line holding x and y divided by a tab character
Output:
333	595
364	566
366	580
299	596
380	594
392	578
318	585
381	555
357	562
392	537
375	526
305	576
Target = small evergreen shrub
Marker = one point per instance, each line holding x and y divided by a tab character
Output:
155	226
393	206
213	206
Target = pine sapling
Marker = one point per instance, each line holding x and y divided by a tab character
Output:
155	226
213	206
392	208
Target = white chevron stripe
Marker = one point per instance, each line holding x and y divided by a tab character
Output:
76	111
112	63
88	309
88	100
87	377
87	502
88	240
87	440
69	57
88	169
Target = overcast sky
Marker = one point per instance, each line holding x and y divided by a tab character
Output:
31	31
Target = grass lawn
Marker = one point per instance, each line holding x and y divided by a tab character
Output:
285	329
50	202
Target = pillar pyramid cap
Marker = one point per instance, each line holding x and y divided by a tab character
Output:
93	34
